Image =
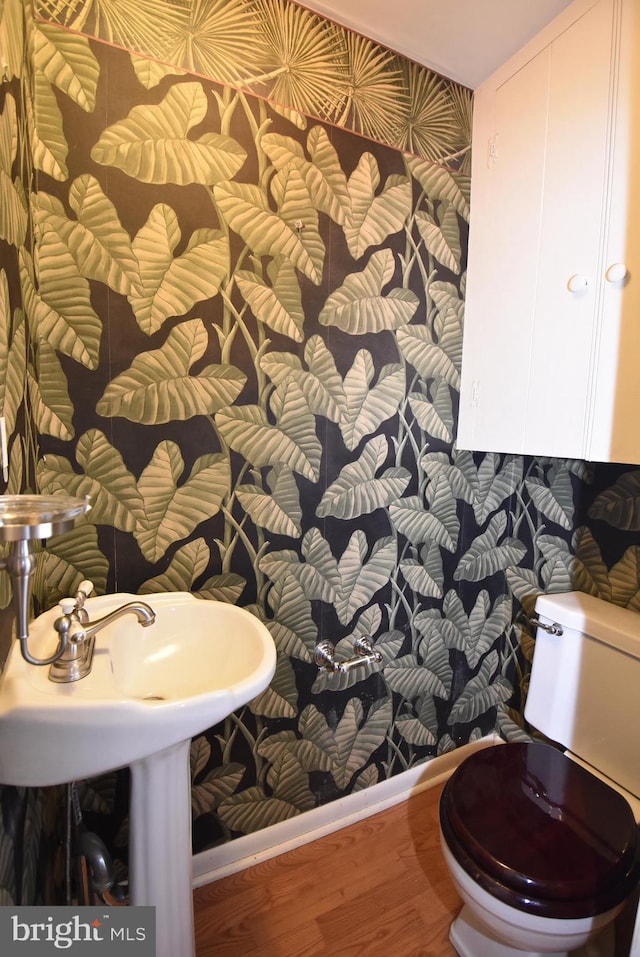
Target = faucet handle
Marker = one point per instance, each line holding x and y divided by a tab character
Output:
67	606
84	588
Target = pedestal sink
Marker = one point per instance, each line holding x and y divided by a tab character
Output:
150	690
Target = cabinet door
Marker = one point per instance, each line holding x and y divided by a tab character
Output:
616	408
506	201
536	228
571	236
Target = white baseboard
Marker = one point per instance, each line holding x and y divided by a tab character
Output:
243	852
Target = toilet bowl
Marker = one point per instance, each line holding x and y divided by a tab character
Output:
543	843
543	853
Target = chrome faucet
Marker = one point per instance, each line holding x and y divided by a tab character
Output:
77	633
364	655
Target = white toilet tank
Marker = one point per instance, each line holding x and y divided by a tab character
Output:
584	691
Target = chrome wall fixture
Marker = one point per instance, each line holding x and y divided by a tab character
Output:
24	519
552	629
364	655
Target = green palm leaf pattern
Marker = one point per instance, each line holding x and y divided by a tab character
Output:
60	311
350	745
199	755
496	483
415	522
593	575
373	217
111	487
304	58
433	648
410	678
13	212
439	183
268	418
67	62
66	561
152	143
172	511
555	501
49	397
321	386
358	306
461	482
227	587
428	359
434	416
368	407
244	209
313	581
49	146
158	387
447	325
624	579
291	761
12	45
325	386
247	430
487	556
561	567
441	240
150	72
425	575
279	305
427	127
481	693
276	509
12	357
322	175
357	491
375	91
220	39
296	209
188	563
299	60
318	575
486	624
169	286
132	24
16	481
220	783
619	505
413	731
251	810
99	245
362	577
292	626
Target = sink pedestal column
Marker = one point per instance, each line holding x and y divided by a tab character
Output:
160	846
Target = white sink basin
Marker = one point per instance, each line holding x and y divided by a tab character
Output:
149	688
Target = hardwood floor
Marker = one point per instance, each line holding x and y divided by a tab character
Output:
379	888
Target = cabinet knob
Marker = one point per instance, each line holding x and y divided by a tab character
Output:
616	272
577	283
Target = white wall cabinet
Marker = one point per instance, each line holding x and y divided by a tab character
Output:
551	349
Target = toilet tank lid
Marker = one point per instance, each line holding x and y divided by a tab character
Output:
602	620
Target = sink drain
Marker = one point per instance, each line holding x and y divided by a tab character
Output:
154	697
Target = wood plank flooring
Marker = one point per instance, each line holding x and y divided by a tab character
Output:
379	888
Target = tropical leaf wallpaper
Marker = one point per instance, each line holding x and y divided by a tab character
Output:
231	299
296	59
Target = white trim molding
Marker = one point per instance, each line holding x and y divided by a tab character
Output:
218	862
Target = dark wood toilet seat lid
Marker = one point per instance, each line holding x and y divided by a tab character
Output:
540	824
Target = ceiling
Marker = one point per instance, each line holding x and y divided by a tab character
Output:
465	40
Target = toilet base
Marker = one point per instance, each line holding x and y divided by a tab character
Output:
470	939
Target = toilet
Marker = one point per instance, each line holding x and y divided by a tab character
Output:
543	844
